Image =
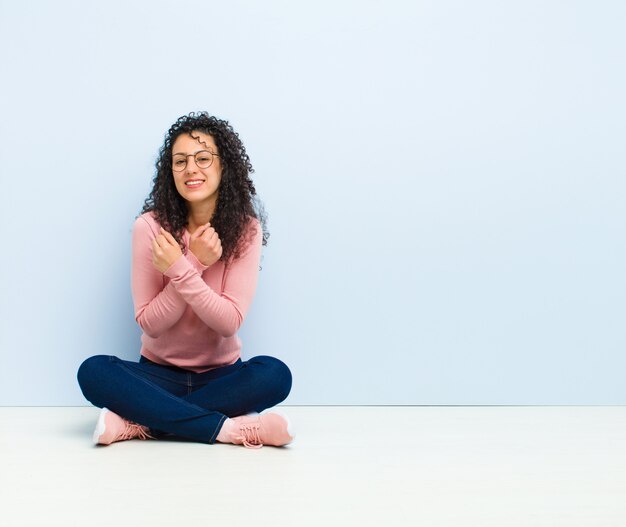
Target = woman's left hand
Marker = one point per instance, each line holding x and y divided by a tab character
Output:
165	251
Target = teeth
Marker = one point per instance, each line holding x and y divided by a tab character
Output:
194	183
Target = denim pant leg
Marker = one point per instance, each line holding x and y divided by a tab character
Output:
148	394
253	385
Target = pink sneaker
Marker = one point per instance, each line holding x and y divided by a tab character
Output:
111	427
254	431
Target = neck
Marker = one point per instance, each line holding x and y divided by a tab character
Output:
199	214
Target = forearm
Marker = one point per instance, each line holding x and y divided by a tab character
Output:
163	311
220	313
166	308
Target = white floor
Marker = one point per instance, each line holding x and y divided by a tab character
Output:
426	466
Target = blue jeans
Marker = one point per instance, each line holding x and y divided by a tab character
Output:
172	400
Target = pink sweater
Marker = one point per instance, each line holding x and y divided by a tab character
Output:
191	313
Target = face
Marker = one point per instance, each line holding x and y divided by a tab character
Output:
196	185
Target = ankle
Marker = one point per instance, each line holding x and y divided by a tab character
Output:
225	434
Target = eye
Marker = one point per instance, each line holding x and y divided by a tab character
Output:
179	162
203	158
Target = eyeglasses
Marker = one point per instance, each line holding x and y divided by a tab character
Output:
203	159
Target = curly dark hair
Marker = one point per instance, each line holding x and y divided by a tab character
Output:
237	201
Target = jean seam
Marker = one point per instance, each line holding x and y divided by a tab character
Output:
217	428
158	376
162	390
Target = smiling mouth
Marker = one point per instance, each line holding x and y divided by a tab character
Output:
194	183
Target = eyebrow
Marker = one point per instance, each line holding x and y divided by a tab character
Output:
183	153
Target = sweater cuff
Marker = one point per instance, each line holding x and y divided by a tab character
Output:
178	268
195	262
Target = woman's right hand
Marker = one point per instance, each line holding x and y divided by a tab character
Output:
206	245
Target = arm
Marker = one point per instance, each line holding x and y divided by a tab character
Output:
157	308
223	313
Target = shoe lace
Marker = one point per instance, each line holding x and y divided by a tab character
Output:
250	435
133	430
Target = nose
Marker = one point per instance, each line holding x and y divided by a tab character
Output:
191	166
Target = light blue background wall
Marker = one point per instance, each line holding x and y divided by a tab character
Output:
445	184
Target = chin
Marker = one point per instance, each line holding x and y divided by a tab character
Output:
198	197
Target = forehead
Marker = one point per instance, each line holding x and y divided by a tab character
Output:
186	144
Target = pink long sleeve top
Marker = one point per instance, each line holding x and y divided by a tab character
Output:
190	314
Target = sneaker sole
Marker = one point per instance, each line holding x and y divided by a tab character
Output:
100	426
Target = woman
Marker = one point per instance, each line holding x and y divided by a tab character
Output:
195	259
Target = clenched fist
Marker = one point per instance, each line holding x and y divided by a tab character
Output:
206	245
165	250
